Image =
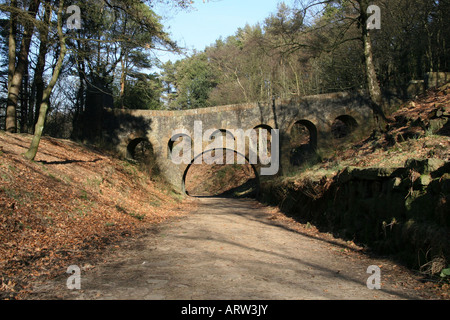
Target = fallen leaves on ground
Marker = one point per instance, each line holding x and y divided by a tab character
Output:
67	206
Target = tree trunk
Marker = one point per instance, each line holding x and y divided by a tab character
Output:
40	65
372	79
16	79
38	129
122	84
12	44
80	101
10	110
24	96
32	151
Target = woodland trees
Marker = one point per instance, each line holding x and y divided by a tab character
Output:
63	77
107	51
321	46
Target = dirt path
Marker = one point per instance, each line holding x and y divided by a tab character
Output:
233	249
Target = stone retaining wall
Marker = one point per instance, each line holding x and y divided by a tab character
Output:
401	211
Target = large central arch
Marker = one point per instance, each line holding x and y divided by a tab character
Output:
183	183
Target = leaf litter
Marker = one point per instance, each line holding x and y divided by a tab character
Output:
68	205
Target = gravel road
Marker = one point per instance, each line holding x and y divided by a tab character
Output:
234	249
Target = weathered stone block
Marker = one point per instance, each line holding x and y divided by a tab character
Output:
437	124
395	183
424	180
424	166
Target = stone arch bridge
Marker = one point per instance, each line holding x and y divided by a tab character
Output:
317	115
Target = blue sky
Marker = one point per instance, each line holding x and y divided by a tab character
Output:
201	27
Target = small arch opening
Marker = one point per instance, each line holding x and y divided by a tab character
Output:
141	151
228	139
303	145
180	138
343	126
138	149
266	151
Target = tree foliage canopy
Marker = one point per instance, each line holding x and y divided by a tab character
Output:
317	47
309	47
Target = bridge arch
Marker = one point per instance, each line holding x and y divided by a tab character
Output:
311	128
268	145
145	153
224	135
343	125
132	147
303	135
223	132
263	126
186	170
174	140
